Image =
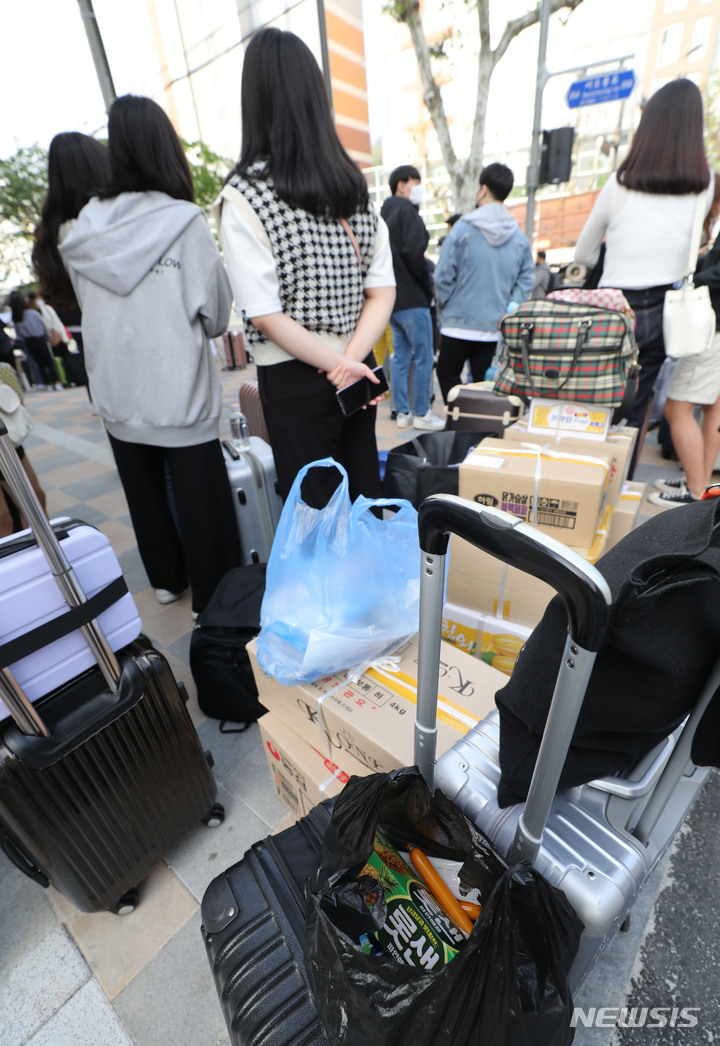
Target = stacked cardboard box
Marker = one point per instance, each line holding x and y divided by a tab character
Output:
626	511
562	467
318	734
494	640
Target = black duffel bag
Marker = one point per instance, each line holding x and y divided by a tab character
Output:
428	464
219	662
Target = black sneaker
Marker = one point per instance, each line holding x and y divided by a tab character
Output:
670	486
669	499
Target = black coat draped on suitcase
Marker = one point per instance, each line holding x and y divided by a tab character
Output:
663	639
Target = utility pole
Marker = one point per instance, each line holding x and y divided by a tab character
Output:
324	51
97	50
542	77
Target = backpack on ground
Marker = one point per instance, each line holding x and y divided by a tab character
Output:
219	660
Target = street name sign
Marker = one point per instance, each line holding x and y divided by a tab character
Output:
609	87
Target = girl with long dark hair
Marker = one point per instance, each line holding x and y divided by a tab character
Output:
310	265
153	291
78	169
645	214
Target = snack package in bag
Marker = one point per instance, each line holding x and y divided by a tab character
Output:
372	940
342	585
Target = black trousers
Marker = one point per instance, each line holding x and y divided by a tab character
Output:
648	308
207	544
305	424
40	352
453	353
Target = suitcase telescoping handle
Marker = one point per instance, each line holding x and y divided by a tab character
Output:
20	708
587	600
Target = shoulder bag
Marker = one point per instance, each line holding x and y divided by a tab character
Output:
688	315
17	420
581	350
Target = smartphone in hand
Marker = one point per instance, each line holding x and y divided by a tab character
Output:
359	393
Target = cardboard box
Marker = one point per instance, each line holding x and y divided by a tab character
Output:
367	727
500	642
302	776
478	581
562	493
561	418
460	627
626	511
617	449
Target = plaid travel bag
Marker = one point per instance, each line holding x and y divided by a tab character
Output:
574	345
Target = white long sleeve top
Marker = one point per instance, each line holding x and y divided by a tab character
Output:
647	236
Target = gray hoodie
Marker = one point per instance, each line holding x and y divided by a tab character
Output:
153	290
495	221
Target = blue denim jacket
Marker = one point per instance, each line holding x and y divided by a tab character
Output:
485	263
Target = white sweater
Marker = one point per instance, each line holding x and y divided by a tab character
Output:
647	236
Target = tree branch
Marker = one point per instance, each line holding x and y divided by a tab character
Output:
516	26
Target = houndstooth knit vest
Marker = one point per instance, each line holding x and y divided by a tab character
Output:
321	282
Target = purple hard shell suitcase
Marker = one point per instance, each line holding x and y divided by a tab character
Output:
101	777
37	638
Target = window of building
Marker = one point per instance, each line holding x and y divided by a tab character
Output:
700	37
669	47
674	5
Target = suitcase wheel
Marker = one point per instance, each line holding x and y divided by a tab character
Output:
127	903
216	816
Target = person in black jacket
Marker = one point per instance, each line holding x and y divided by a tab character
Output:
410	321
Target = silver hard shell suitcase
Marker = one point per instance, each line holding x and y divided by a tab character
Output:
597	842
251	473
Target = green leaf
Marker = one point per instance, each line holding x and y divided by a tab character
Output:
23	185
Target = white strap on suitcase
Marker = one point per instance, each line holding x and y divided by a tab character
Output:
22	710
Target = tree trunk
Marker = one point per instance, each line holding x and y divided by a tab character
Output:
464	174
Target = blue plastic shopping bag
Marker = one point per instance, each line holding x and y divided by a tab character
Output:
342	585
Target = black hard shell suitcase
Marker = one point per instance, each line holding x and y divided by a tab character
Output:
475	407
99	778
121	779
253	924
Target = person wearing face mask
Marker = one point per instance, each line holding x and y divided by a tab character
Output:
410	321
485	270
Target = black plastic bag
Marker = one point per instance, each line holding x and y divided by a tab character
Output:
508	986
219	662
428	464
